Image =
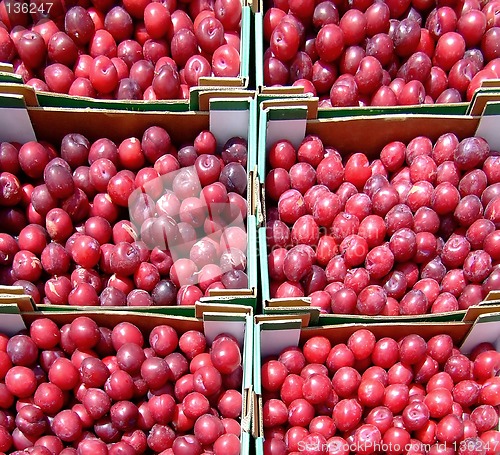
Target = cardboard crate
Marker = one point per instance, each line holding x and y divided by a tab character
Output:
275	333
367	134
241	82
17	314
224	116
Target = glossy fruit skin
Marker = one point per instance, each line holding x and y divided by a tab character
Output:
110	51
363	54
89	253
100	403
402	233
369	407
